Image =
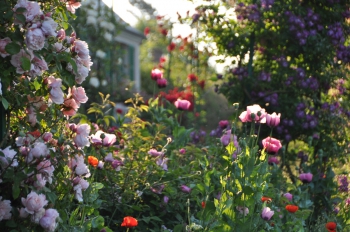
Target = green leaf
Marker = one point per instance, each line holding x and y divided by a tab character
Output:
96	185
37	85
21	10
98	222
25	63
5	103
12	48
51	196
15	189
21	18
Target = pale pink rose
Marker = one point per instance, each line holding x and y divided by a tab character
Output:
82	135
78	94
39	150
162	162
39	182
82	72
3	43
23	213
48	221
31	115
37	215
45	167
100	164
49	27
9	158
5	209
108	140
77	164
56	93
16	59
37	67
255	109
81	48
58	46
78	193
34	202
61	34
32	10
72	5
70	107
35	39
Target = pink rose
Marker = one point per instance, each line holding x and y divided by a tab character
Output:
72	5
8	158
34	202
82	135
39	150
70	107
16	59
56	93
77	164
32	10
35	39
182	104
47	136
272	120
255	111
61	34
48	221
271	144
31	115
162	83
38	67
3	43
49	27
78	94
81	48
5	209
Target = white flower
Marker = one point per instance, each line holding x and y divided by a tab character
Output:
100	54
94	82
91	20
108	36
49	27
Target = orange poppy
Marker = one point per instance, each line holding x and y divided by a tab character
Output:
331	226
267	199
292	208
93	161
129	222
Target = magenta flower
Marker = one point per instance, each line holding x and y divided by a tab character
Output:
267	213
272	120
223	124
185	189
254	112
182	151
271	145
182	104
156	74
273	160
162	82
165	199
288	196
306	177
153	152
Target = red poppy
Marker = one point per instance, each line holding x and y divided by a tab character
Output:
119	111
192	77
146	31
171	46
35	133
201	83
292	208
129	222
267	199
331	226
203	204
93	161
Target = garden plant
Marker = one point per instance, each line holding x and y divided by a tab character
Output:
276	164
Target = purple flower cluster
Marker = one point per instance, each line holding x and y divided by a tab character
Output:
267	4
240	72
336	34
197	136
264	76
304	157
249	12
283	61
302	80
304	27
343	183
272	99
308	120
343	53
